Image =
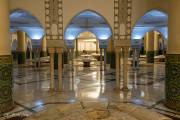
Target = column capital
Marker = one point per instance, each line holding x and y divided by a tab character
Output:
51	50
59	50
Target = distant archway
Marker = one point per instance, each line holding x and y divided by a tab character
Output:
91	21
22	20
154	20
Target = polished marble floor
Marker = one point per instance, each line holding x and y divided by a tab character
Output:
31	88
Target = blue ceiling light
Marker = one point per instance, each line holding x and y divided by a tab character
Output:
88	21
154	20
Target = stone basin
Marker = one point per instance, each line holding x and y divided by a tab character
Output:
95	111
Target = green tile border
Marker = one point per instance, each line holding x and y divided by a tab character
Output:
6	100
172	86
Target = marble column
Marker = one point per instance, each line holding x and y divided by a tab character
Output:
156	43
60	82
117	51
21	36
51	53
6	100
172	83
44	49
150	47
125	68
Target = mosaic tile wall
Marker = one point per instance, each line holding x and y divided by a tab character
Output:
173	81
6	101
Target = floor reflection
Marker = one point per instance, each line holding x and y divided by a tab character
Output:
87	84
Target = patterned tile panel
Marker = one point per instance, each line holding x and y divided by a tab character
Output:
173	81
6	102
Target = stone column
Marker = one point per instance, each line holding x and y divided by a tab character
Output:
51	53
6	100
125	68
172	84
60	82
117	50
101	59
150	47
44	49
156	43
21	36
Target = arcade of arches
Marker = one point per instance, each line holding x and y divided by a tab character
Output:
67	60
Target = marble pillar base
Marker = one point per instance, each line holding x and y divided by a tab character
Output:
173	81
6	101
21	57
150	56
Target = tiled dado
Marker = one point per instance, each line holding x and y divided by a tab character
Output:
150	56
6	101
173	81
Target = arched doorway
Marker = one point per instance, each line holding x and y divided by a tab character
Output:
28	30
149	43
87	52
153	25
92	22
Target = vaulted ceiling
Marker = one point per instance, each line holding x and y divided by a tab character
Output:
88	21
23	21
151	21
